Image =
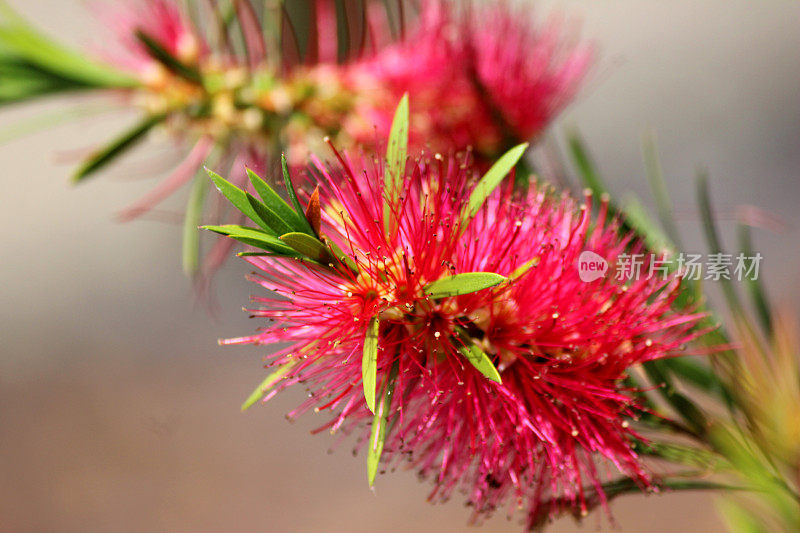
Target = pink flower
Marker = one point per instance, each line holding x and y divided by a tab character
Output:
557	425
483	77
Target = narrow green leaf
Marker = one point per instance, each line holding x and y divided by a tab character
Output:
191	221
343	257
754	286
490	181
714	242
369	362
465	283
163	56
679	453
308	246
275	222
685	408
267	384
116	147
380	421
636	215
695	373
254	237
658	185
586	168
522	269
23	80
18	38
274	202
738	519
287	180
396	153
480	361
239	199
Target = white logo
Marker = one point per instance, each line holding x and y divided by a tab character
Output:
591	266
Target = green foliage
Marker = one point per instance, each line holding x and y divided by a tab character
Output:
491	180
115	148
32	65
267	384
396	153
480	361
465	283
369	362
191	221
379	423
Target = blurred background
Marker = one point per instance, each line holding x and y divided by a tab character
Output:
119	412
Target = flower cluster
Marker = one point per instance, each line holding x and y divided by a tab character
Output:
496	369
482	77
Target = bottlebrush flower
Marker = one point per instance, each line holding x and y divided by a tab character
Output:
459	319
481	76
234	89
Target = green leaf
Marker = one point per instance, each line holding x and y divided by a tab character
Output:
343	257
287	180
754	286
191	221
658	185
636	215
380	421
274	202
18	38
23	80
274	221
369	362
172	63
480	361
308	246
740	520
267	384
490	181
396	153
465	283
116	147
714	242
685	408
239	199
522	269
586	168
254	237
695	373
679	453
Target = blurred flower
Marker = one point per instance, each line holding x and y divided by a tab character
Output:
229	82
513	391
479	75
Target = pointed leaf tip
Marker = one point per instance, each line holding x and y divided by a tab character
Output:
380	422
465	283
309	246
267	384
369	362
396	154
481	362
491	180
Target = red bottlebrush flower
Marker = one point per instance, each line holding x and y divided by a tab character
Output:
551	424
482	77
